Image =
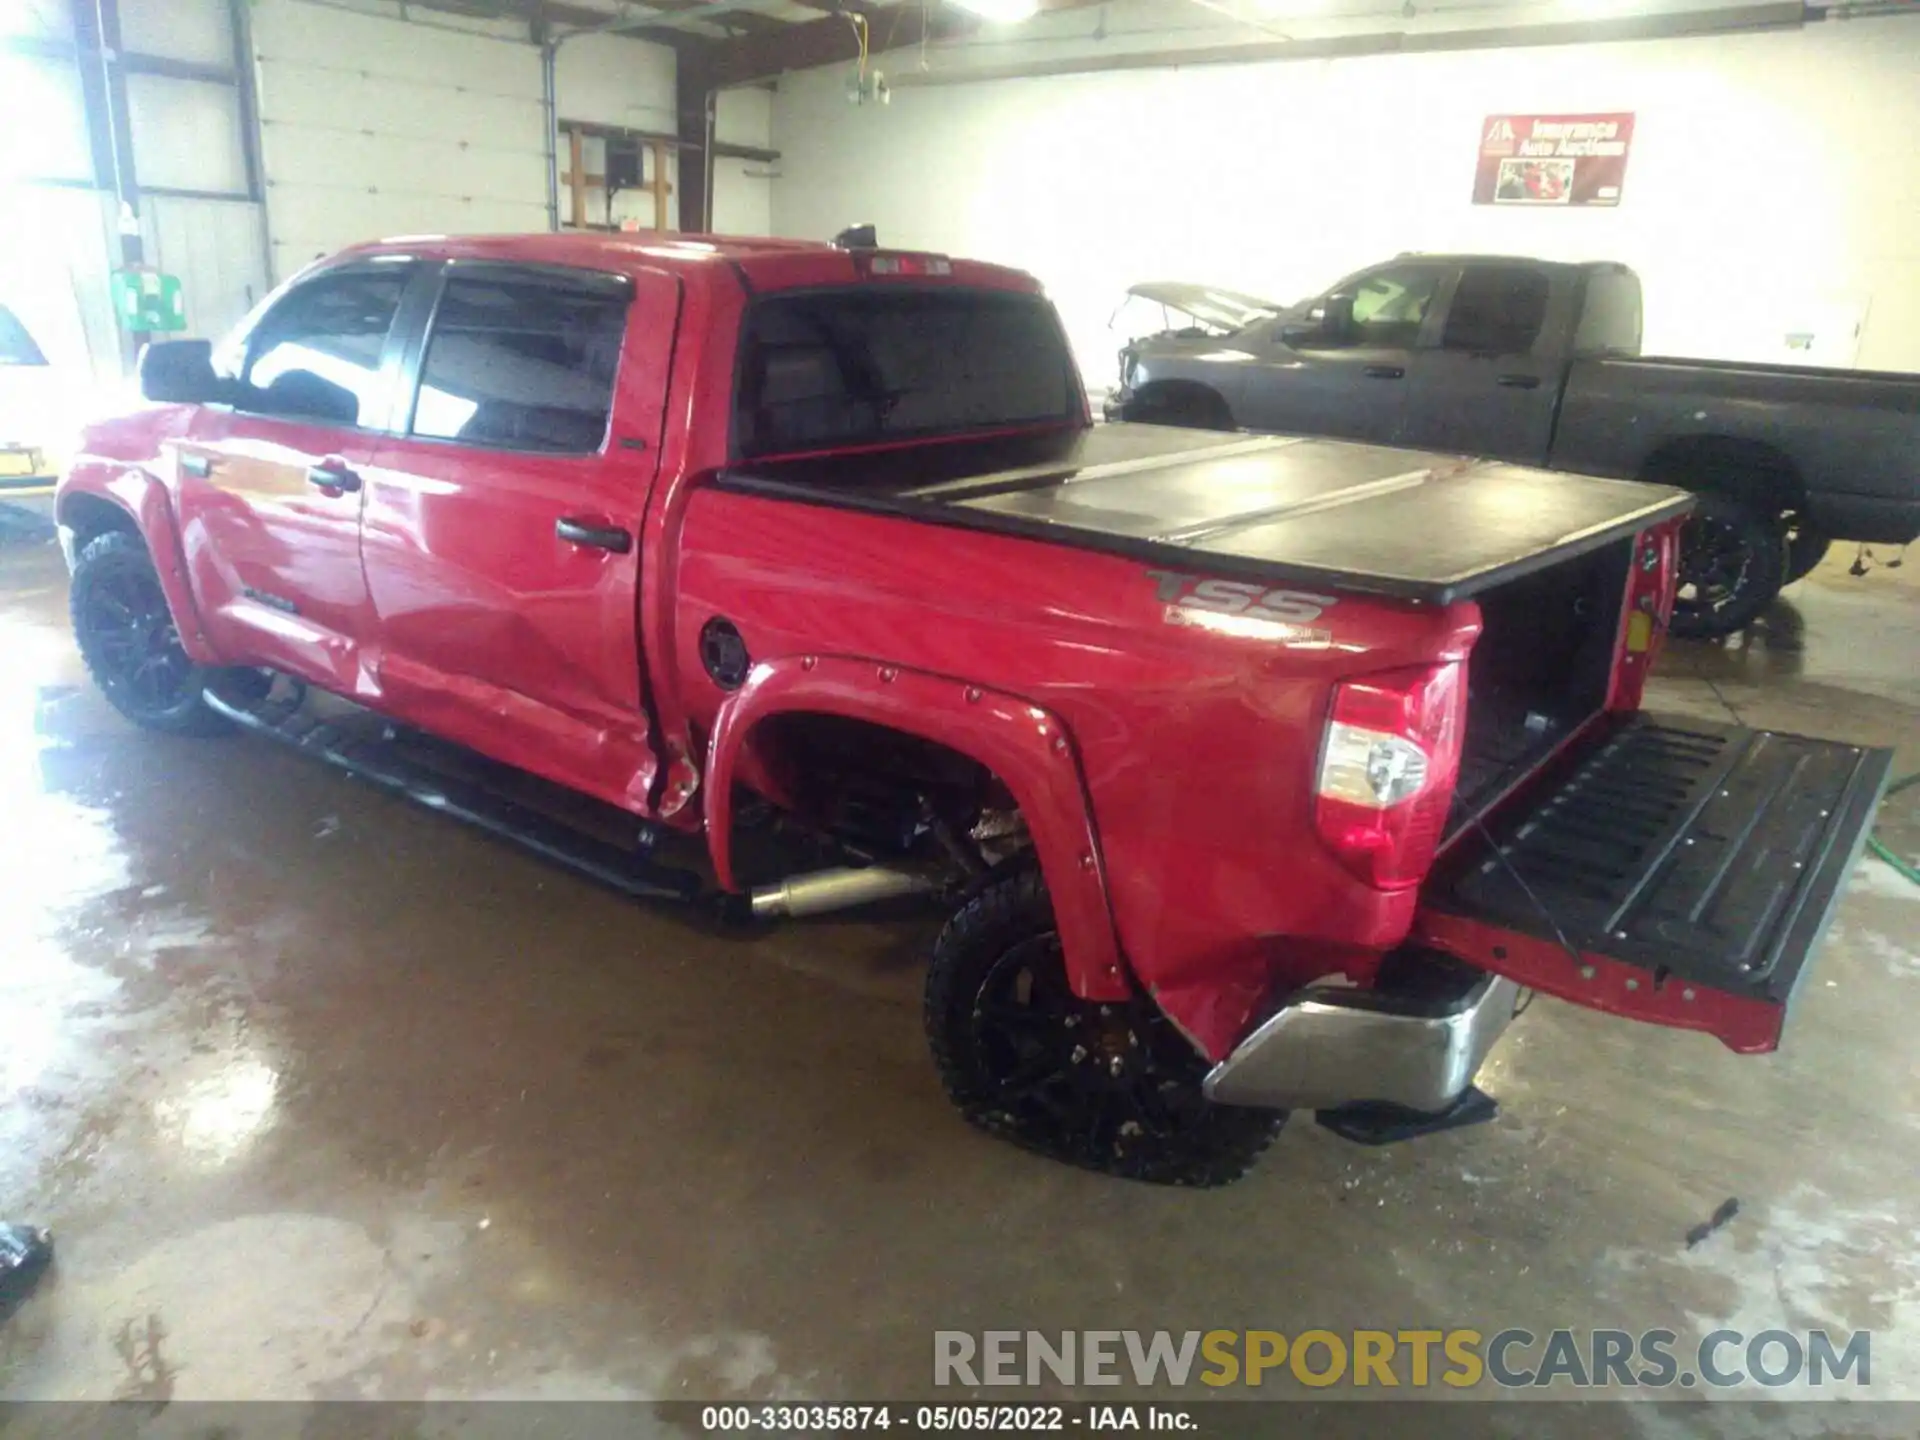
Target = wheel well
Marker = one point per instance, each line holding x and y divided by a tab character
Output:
1194	404
869	783
89	517
1745	470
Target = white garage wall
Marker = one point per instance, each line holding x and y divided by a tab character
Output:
373	126
1772	186
743	189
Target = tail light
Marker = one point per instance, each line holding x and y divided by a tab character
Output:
1388	766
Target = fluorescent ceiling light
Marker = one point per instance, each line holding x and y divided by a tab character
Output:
1002	12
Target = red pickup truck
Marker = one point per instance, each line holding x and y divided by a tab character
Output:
1261	774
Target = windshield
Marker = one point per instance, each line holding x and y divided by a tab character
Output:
16	345
825	368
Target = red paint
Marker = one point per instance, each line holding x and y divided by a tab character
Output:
1166	772
1743	1025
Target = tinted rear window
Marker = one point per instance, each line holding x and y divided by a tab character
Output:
851	367
16	345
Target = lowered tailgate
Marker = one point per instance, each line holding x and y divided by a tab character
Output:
1673	870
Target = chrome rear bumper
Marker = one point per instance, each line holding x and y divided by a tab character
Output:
1332	1046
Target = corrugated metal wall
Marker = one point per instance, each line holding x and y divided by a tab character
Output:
214	246
372	126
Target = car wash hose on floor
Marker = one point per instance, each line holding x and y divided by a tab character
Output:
1885	851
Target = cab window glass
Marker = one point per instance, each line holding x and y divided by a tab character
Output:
1497	310
316	354
523	361
1389	306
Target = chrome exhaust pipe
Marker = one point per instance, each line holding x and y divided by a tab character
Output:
824	890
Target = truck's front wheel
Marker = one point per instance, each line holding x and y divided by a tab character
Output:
1733	562
1111	1087
128	641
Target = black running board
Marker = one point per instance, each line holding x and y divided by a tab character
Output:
381	762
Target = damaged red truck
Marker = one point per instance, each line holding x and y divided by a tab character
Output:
1260	774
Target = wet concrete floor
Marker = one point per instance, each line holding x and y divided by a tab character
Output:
326	1096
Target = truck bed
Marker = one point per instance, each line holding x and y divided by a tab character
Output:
1406	524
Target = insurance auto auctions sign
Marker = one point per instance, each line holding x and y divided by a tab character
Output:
1552	159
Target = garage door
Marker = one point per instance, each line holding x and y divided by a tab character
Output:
372	127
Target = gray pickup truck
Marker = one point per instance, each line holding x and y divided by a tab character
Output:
1540	363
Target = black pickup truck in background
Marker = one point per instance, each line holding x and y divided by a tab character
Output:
1539	362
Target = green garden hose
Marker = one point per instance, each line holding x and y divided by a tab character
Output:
1885	851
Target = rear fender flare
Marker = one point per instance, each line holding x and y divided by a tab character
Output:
149	509
1026	746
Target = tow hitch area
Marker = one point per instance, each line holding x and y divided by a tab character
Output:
1676	871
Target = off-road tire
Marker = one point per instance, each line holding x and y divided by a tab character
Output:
128	641
1148	1121
1736	560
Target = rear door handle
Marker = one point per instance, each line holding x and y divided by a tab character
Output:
600	537
196	465
333	477
1385	372
1519	382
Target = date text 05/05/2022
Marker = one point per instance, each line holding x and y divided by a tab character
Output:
941	1418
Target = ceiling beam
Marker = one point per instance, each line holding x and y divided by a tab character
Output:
832	39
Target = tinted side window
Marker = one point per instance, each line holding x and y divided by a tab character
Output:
1497	310
316	354
523	362
1390	305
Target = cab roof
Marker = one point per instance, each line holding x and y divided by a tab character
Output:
761	262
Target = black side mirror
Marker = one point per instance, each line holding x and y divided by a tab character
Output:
180	372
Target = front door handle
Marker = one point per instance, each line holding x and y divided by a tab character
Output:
600	537
1385	372
1519	382
337	478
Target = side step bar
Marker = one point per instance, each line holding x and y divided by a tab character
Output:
384	764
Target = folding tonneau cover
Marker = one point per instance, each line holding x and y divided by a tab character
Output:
1357	518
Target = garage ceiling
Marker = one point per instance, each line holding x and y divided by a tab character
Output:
739	41
734	42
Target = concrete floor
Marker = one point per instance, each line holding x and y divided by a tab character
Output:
327	1096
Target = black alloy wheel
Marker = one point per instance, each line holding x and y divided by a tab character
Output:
127	638
1732	564
1111	1087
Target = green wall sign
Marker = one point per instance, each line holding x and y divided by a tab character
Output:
148	300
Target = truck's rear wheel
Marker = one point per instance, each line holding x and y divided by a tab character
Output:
1732	563
1109	1087
127	639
